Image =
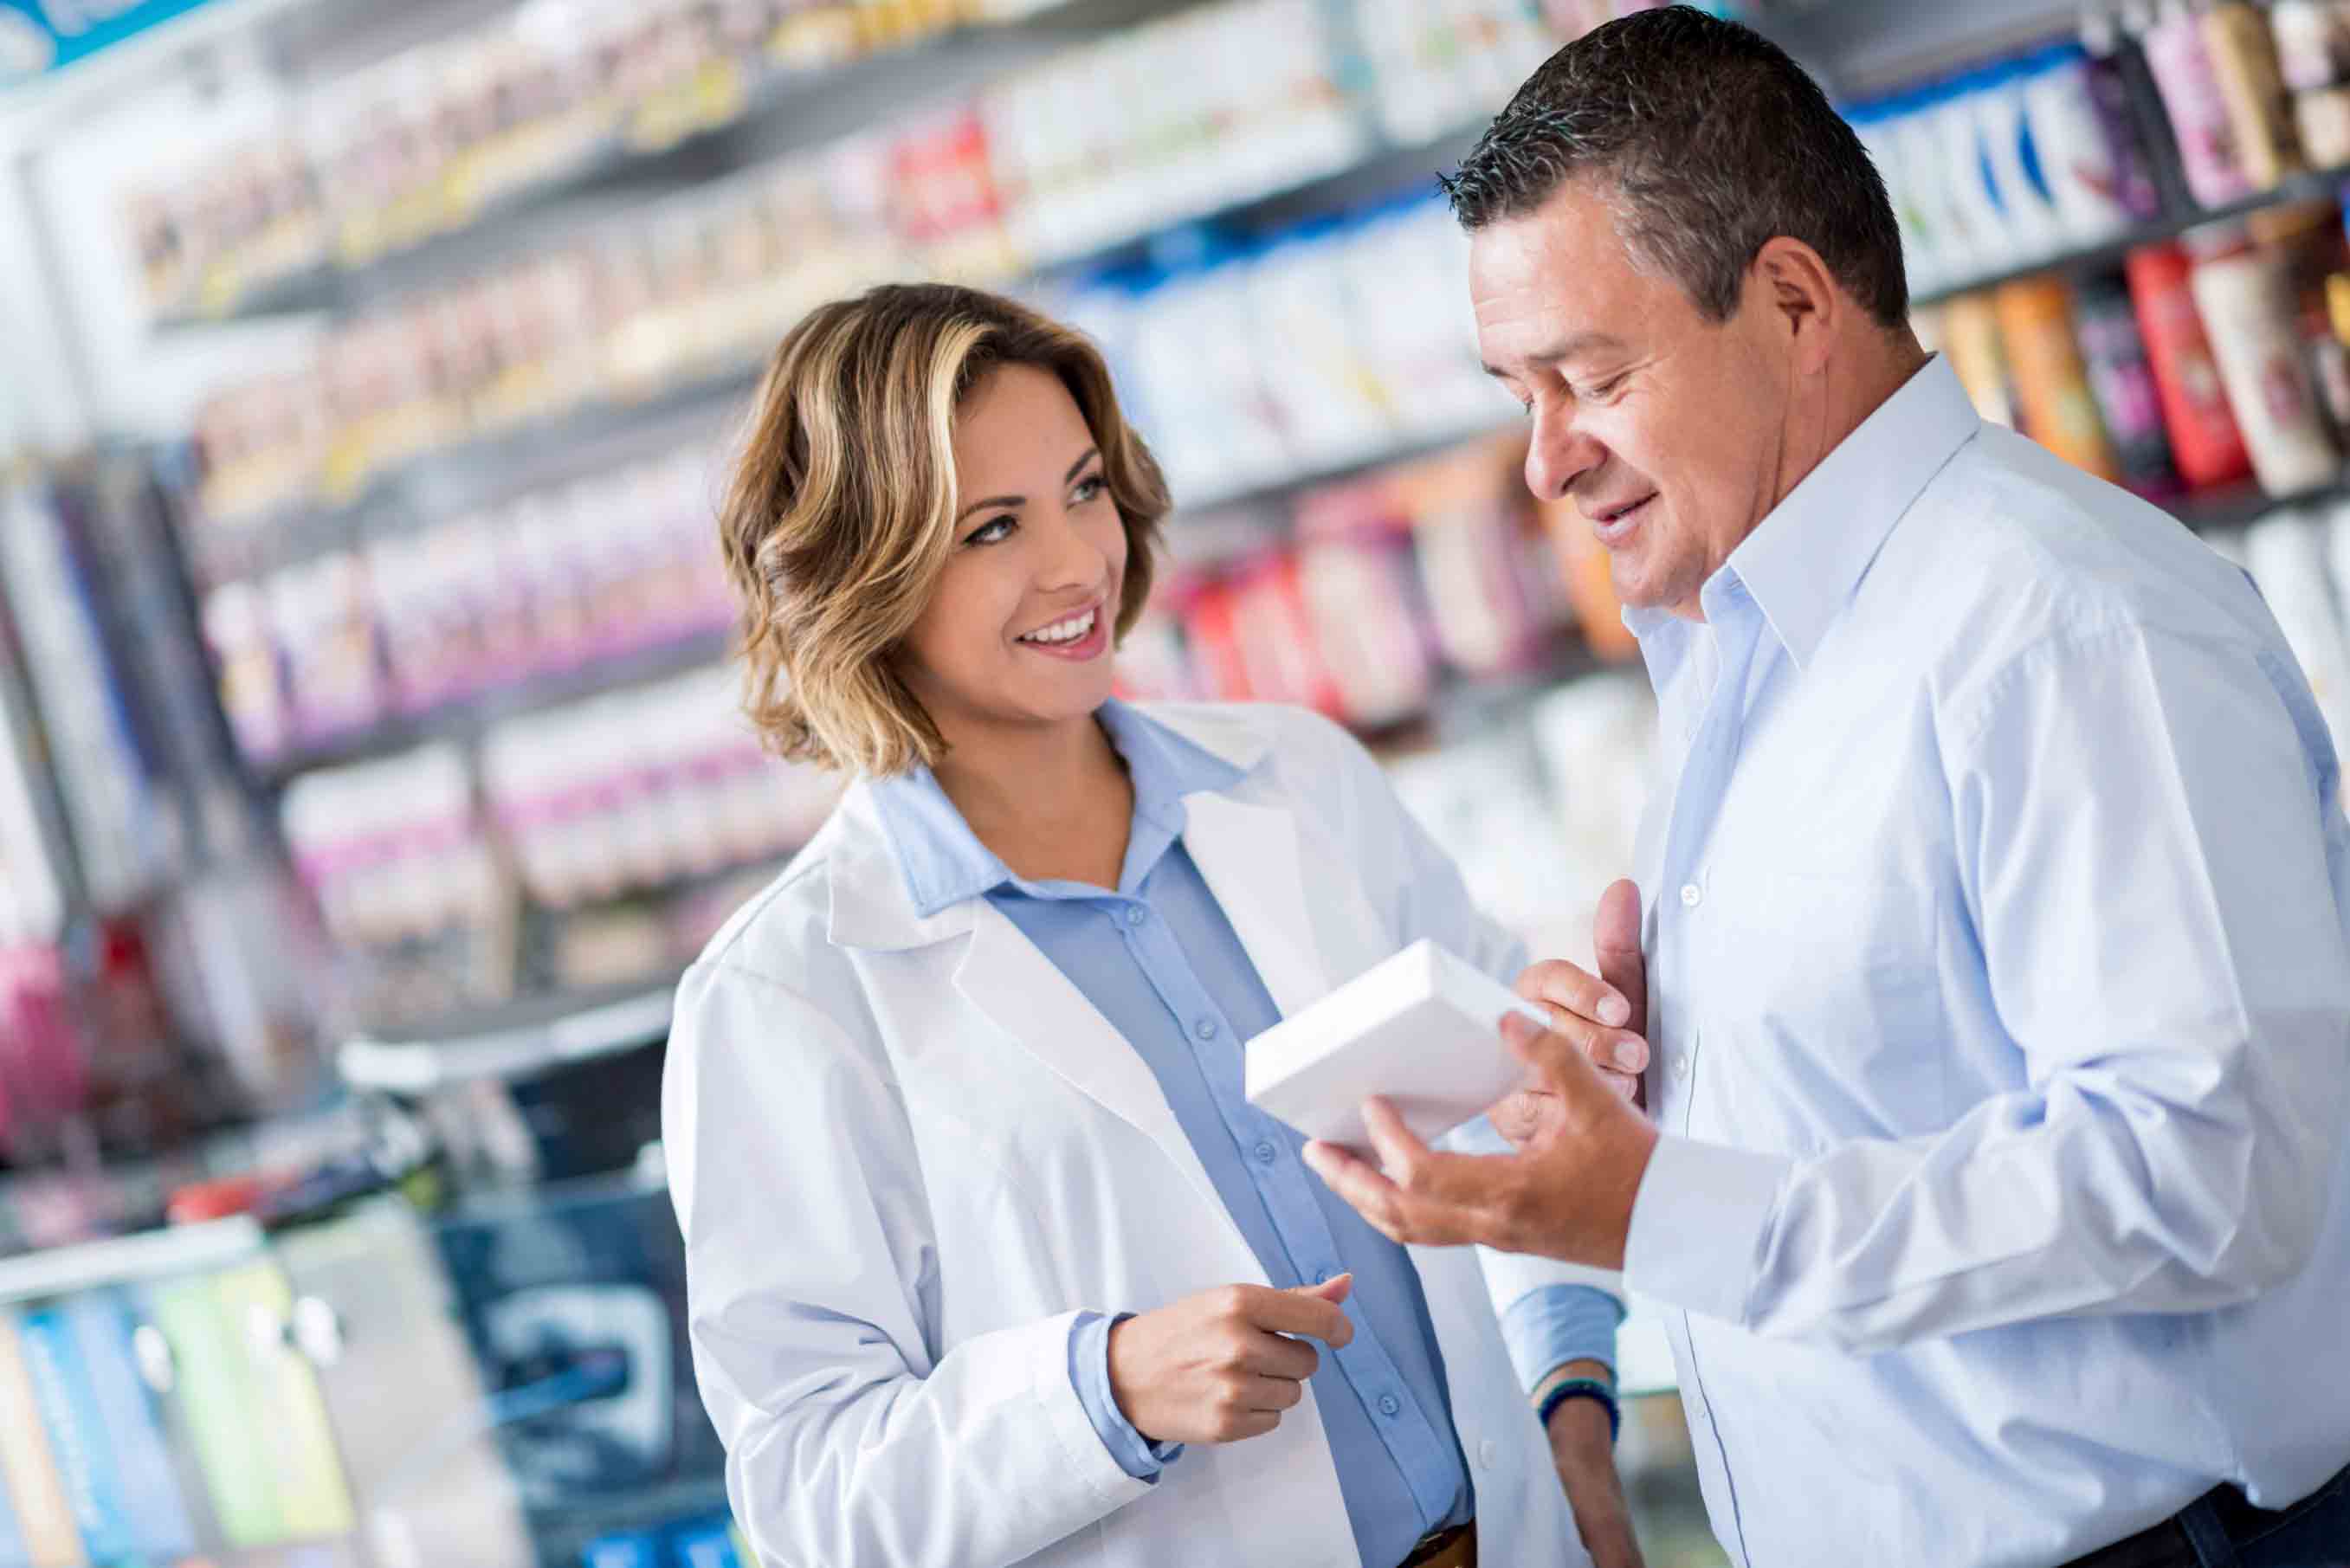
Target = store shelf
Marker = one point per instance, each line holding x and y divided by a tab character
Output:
182	1249
235	548
2326	186
2239	505
535	1035
1464	708
488	463
1403	449
519	1039
474	714
783	106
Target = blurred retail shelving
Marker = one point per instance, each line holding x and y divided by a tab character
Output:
365	691
455	539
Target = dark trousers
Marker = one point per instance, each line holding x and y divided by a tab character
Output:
2221	1530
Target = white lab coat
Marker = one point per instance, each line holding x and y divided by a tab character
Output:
906	1152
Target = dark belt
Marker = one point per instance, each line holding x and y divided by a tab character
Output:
1454	1548
2224	1507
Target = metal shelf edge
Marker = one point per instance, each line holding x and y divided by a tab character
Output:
419	1067
179	1249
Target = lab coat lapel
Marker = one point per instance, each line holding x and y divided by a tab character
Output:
1032	1002
1249	855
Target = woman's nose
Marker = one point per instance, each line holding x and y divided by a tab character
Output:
1073	560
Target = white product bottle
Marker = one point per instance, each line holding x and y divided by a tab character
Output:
2077	158
2004	114
1875	125
2287	552
2247	308
2312	42
2338	555
2181	59
1917	142
1958	126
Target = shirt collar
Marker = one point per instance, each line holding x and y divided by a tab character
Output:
1803	561
944	863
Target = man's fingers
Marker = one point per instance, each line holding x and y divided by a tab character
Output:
1616	943
1570	987
1367	1191
1374	1194
1559	1063
1437	1193
1609	1050
1294	1311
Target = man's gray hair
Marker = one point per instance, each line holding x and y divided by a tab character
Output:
1711	140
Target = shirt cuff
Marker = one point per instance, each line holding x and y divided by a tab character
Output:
1699	1223
1548	1327
1089	1375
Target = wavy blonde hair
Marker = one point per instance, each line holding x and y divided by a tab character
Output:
839	514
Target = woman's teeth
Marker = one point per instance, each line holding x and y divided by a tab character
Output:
1064	630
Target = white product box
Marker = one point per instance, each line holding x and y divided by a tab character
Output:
1422	1029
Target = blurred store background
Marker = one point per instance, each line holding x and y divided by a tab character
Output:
368	763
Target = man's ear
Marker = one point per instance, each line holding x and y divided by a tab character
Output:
1803	297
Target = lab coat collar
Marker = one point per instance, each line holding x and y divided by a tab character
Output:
1247	852
944	861
884	901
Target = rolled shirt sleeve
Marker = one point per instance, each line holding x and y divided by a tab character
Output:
1136	1455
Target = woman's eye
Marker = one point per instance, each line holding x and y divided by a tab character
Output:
995	531
1606	388
1090	489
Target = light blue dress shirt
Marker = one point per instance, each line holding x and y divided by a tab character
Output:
1998	916
1164	965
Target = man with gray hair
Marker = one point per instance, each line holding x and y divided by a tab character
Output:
1990	1002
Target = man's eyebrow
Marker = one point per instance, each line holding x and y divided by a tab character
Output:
1568	349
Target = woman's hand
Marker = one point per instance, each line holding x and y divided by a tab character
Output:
1218	1367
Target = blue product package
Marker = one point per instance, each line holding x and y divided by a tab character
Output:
623	1549
156	1513
704	1544
77	1436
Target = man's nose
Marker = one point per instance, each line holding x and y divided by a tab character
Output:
1558	456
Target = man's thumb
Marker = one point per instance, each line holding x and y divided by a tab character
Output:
1616	932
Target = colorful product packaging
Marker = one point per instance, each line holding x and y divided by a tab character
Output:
2052	384
2206	443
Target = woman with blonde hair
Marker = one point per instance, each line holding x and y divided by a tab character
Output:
990	1262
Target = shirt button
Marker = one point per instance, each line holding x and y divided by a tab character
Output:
1681	1066
1390	1405
1205	1029
1133	914
1690	896
1266	1153
1489	1453
1325	1275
